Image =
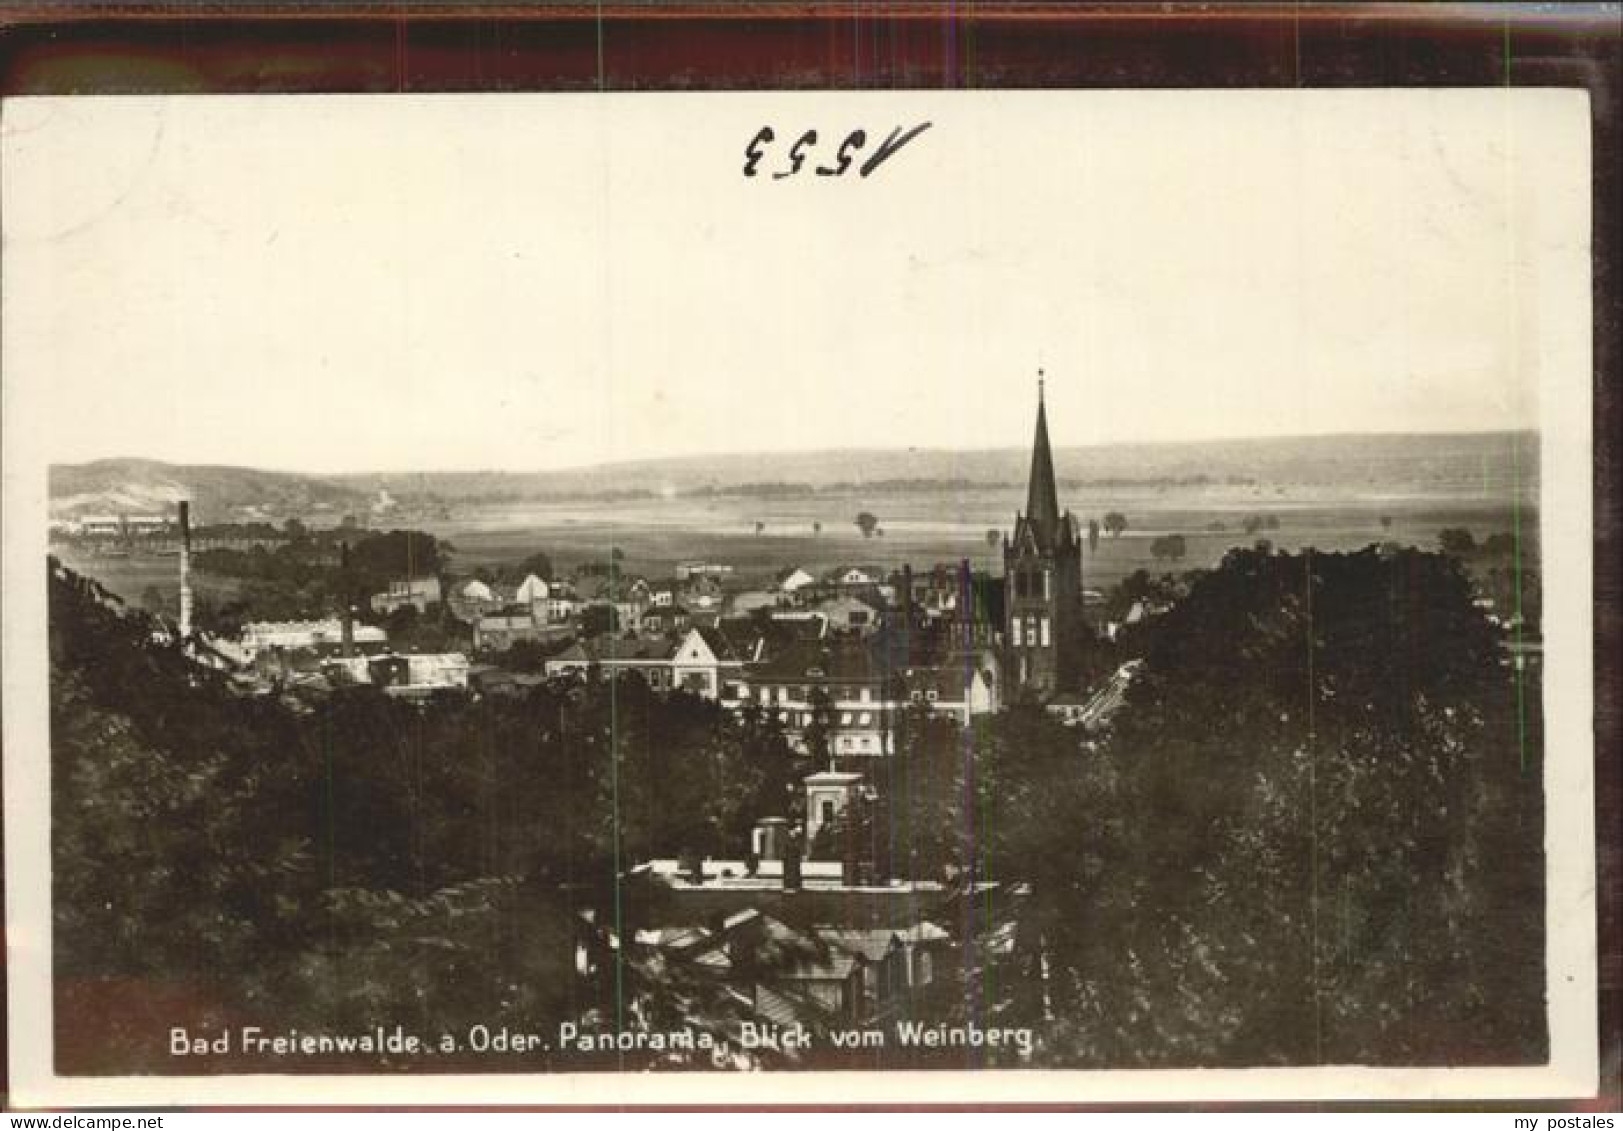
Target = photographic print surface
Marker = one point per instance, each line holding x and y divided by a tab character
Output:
722	587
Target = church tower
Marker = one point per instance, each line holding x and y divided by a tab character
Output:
1042	577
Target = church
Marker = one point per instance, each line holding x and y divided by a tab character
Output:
1042	570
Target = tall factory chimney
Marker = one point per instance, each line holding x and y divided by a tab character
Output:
907	598
185	570
347	612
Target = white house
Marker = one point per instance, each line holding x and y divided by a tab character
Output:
751	600
847	614
794	579
419	593
532	591
476	590
855	577
101	524
297	635
704	658
828	794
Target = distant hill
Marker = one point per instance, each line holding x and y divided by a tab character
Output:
1493	463
1447	463
142	486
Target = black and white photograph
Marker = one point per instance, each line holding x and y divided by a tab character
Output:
641	592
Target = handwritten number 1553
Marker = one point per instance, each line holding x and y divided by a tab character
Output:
806	144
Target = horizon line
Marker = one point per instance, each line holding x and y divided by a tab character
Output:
771	454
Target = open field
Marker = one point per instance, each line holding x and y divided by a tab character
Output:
922	529
930	527
1331	493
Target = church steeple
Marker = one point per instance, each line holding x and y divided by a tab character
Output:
1042	583
1042	498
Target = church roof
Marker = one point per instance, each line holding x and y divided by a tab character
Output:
1042	496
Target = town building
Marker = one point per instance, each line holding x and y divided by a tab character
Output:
752	600
301	635
127	525
475	591
613	656
417	593
664	619
792	580
853	690
500	629
848	614
706	658
686	571
532	591
416	675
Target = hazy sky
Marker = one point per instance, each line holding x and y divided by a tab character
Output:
542	281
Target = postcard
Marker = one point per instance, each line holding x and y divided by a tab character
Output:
1042	595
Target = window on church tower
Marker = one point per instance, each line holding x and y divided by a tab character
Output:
1045	626
1018	636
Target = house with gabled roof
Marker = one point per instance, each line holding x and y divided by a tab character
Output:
532	591
666	619
704	660
698	663
854	577
848	614
792	580
612	656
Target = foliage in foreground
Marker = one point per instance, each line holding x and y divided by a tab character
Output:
1314	835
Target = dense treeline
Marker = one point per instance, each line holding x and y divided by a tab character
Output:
355	859
304	573
1313	835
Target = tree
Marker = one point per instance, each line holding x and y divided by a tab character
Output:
352	856
379	558
1456	542
1314	742
817	527
1386	522
817	732
538	563
867	523
1093	535
1168	546
759	527
1115	523
528	656
595	620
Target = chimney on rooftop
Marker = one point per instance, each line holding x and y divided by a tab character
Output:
185	569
